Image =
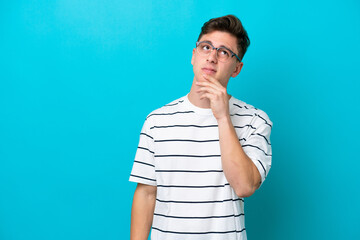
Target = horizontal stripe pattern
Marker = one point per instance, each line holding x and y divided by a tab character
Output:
253	146
197	233
185	156
187	140
179	152
146	135
244	106
267	141
207	217
266	122
173	104
146	149
185	126
143	177
169	113
189	171
140	162
201	202
198	126
242	115
193	186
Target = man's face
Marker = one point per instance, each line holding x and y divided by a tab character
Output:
210	65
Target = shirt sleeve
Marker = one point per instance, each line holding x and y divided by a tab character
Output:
143	170
257	145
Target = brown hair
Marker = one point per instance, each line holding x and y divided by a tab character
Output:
230	24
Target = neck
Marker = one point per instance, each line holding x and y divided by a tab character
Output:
194	97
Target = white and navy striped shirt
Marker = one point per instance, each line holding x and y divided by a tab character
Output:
179	152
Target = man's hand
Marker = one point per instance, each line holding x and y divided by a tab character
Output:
217	94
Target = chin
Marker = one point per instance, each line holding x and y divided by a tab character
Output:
199	78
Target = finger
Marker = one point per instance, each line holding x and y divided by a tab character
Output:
210	84
212	79
220	90
210	96
209	90
209	77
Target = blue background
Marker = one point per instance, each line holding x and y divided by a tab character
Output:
79	77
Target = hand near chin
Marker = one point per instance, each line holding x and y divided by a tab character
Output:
217	94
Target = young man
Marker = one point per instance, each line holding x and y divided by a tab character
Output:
201	155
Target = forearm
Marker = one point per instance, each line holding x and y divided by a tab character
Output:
142	214
239	169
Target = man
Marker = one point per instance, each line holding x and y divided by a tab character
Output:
201	155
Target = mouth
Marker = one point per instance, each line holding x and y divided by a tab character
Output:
208	70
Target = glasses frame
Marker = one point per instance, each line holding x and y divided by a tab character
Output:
217	49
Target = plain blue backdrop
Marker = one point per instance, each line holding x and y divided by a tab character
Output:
77	79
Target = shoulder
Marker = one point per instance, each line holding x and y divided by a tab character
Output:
169	108
242	108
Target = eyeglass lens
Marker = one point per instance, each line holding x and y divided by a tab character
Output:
222	54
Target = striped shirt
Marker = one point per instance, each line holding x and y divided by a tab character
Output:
179	152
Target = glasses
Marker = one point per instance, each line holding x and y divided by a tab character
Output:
223	54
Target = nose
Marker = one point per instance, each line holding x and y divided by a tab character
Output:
212	57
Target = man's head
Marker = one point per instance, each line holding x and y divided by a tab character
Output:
219	37
229	24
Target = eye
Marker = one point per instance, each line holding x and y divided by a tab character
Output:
205	47
224	52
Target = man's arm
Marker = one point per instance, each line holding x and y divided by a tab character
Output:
142	211
239	169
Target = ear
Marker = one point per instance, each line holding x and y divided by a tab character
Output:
192	58
237	69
